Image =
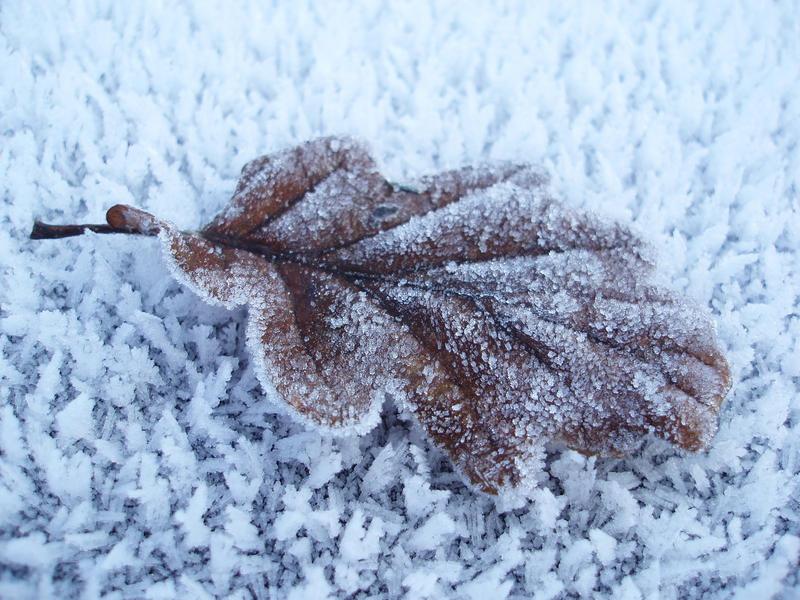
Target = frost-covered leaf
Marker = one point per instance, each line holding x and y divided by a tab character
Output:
499	316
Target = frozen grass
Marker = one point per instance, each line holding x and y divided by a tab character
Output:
139	457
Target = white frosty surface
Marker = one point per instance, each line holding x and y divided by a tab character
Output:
139	456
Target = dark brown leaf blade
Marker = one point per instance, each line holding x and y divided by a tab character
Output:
344	197
498	316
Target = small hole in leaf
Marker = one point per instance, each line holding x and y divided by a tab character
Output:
383	211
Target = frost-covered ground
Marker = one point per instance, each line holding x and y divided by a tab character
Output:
138	455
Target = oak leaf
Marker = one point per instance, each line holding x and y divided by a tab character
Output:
499	316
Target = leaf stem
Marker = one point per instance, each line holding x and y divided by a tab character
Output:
121	219
44	231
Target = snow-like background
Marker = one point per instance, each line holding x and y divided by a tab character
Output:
138	455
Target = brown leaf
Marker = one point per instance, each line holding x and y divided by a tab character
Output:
499	316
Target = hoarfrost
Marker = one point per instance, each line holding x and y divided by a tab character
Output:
501	317
681	118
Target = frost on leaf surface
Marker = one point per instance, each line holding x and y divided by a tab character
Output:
499	316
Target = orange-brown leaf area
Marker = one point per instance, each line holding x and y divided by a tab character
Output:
499	316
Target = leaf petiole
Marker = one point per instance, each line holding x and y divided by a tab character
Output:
121	219
45	231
